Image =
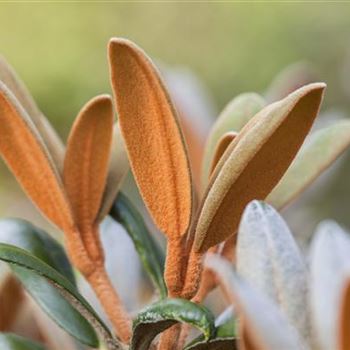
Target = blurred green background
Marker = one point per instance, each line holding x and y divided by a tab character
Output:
59	49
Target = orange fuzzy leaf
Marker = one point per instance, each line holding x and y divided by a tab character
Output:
52	141
153	137
221	147
87	159
117	170
26	155
255	162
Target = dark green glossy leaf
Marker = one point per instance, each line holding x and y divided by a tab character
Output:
34	272
225	335
10	341
157	317
25	235
56	306
151	256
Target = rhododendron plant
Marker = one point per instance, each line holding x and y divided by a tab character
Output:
252	153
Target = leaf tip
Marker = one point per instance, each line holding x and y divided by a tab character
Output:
305	90
116	45
101	103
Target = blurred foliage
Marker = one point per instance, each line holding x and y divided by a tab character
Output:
60	48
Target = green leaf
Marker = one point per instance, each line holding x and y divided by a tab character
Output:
23	234
157	317
10	341
290	78
320	151
151	256
225	334
234	116
56	306
36	241
38	276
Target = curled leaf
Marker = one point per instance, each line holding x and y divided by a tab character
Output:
221	147
321	149
51	139
117	170
87	158
234	116
23	261
152	136
158	317
26	155
225	334
255	162
270	260
265	326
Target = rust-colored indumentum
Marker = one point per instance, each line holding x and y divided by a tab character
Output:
75	187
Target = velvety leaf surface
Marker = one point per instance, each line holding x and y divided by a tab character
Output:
52	141
152	136
321	149
221	147
234	116
37	173
157	317
151	255
118	168
10	341
225	334
266	326
23	234
22	259
270	260
87	160
255	162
